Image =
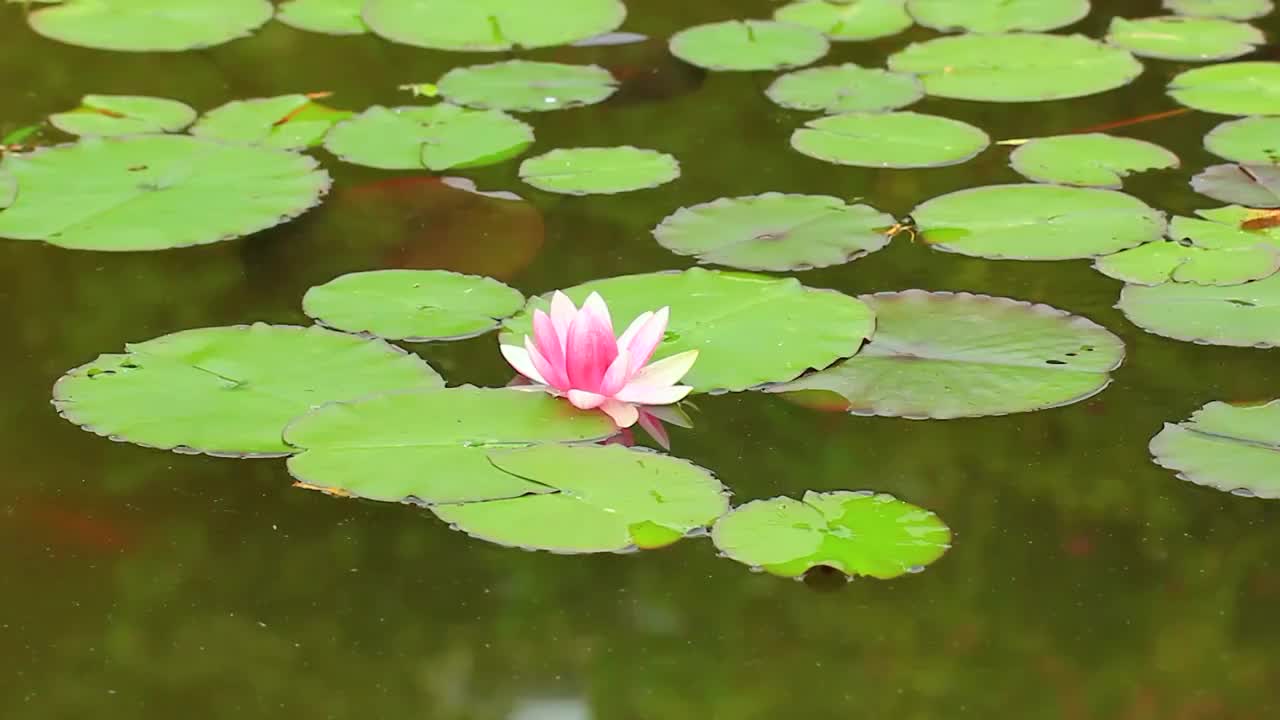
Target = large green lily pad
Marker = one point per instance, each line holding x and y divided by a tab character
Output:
436	137
1089	159
1238	88
229	390
857	533
748	329
1214	250
412	305
1016	67
890	140
150	25
599	171
997	16
1252	185
841	20
1245	315
596	499
491	25
525	86
748	45
432	446
8	189
1250	140
1230	9
775	231
1228	447
845	88
153	192
1037	222
952	355
331	17
105	115
287	122
1185	38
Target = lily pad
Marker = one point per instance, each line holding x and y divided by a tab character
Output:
1185	38
1252	185
229	390
150	25
331	17
775	231
952	355
599	171
857	533
1037	222
521	85
491	25
1251	140
1230	9
596	499
1214	250
1091	160
997	16
1228	447
845	88
724	315
437	137
841	20
8	189
1238	88
124	115
748	45
412	305
1245	315
287	122
889	140
153	192
1016	67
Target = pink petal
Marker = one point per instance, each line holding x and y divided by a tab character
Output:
590	351
624	414
624	340
549	342
552	375
652	395
646	339
562	313
586	400
653	426
519	359
615	378
596	308
664	372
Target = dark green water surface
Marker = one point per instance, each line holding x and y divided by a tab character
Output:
1085	582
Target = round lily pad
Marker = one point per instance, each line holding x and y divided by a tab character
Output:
1245	315
1211	250
150	25
1252	185
599	171
845	88
843	21
412	305
1092	159
1185	38
432	446
229	390
437	137
1230	9
1016	67
1238	88
857	533
748	45
953	355
153	192
331	17
724	316
287	122
1037	222
124	115
775	231
1251	140
597	499
889	140
1235	448
997	16
521	85
491	25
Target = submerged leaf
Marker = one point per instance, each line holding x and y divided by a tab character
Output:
1245	315
845	88
997	16
491	25
124	115
599	171
436	137
1238	88
1228	447
150	25
521	85
1091	160
890	140
748	45
842	21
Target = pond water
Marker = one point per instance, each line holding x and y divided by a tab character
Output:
1084	580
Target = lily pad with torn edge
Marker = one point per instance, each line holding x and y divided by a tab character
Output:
1245	315
286	122
1235	448
437	137
105	115
1211	250
1088	160
599	170
744	45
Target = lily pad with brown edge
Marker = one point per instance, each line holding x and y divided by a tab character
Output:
286	122
1234	448
1246	315
1251	185
105	115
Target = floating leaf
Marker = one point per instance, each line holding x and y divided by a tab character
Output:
1252	185
845	88
491	25
1037	222
952	355
412	305
724	315
857	533
775	231
331	17
997	16
1240	315
840	20
1184	38
1251	140
8	189
1016	67
229	390
437	137
599	171
611	39
596	499
153	192
287	122
1093	159
124	115
1228	447
521	85
1238	88
1230	9
889	140
1215	250
748	45
150	25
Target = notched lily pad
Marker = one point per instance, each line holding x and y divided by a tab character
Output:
525	86
1089	160
1235	448
845	88
748	45
1185	38
1245	315
491	25
1237	88
1215	250
890	140
1249	141
286	122
599	171
437	137
105	115
331	17
997	16
841	20
1252	185
150	25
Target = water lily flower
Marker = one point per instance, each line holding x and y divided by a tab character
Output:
574	354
